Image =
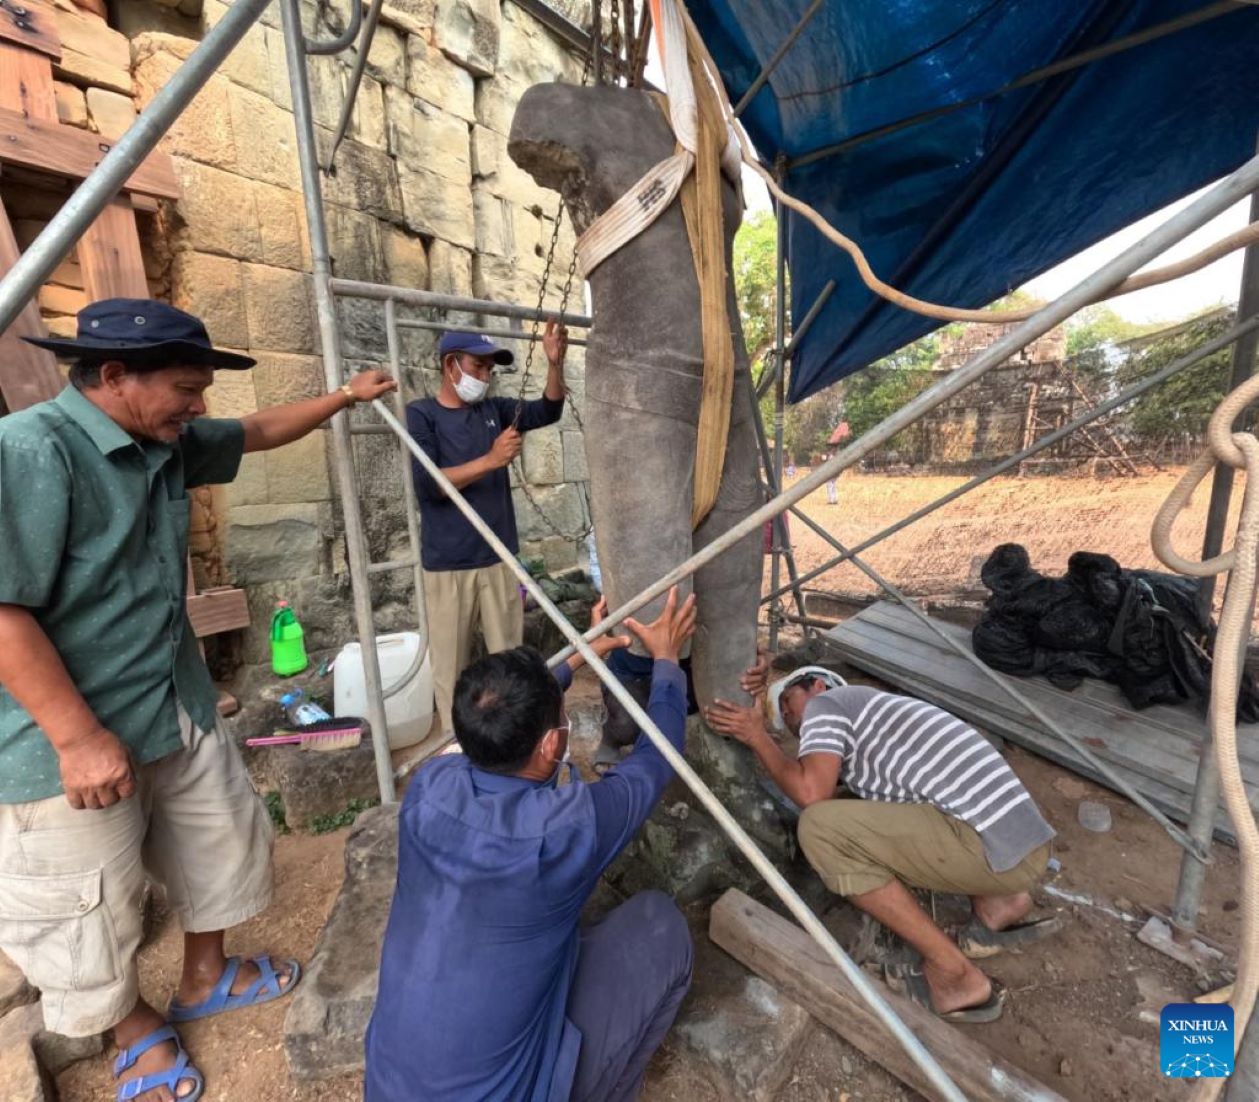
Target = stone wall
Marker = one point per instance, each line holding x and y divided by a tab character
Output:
423	195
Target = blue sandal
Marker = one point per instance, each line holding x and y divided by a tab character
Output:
181	1072
265	988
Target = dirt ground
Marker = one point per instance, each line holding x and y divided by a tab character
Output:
1051	517
1080	1007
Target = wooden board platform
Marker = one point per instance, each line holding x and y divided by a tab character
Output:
1155	750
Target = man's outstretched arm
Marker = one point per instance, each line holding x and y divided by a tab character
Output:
280	425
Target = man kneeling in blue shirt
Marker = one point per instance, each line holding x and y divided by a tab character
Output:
489	988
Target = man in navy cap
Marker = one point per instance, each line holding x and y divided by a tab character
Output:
113	767
474	438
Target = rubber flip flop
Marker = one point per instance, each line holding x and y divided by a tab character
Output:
978	942
181	1071
264	989
908	980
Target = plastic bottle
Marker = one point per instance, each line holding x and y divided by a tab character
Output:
288	648
300	710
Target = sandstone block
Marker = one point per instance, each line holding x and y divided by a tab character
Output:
24	1026
251	62
298	471
467	33
411	16
387	59
280	92
249	487
438	80
559	555
281	227
367	120
266	146
315	785
61	300
528	54
92	53
203	132
219	210
450	269
495	224
280	379
488	148
495	103
271	543
423	136
562	506
232	394
354	241
438	207
327	77
519	189
323	1030
14	990
71	104
544	457
575	469
502	279
406	264
366	179
20	1077
362	336
278	305
212	288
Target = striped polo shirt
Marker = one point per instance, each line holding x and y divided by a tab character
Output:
900	750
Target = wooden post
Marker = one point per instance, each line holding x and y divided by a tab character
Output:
783	954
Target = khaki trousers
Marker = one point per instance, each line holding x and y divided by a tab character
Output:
457	601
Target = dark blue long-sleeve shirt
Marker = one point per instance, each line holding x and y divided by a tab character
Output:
482	941
452	437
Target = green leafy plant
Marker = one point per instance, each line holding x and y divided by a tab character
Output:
326	824
275	808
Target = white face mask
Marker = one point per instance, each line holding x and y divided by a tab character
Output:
469	388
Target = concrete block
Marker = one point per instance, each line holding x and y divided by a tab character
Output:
71	104
437	207
435	78
406	263
280	379
280	312
298	471
468	32
450	269
271	543
324	1027
266	148
218	209
423	136
203	132
212	288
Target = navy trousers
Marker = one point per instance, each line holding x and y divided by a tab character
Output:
632	974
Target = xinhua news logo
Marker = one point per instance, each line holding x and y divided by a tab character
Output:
1196	1042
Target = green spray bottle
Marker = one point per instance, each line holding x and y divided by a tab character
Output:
288	649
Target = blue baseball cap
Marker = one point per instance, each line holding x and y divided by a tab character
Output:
474	344
143	333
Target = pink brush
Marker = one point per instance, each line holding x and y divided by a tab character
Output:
337	738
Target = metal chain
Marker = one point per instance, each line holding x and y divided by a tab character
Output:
616	42
547	267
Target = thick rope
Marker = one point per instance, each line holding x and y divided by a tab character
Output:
1240	450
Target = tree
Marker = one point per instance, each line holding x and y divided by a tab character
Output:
755	283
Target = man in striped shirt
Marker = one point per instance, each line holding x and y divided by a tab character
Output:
939	809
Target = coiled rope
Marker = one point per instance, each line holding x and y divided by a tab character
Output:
1239	450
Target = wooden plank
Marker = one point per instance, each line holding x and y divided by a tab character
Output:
212	611
35	28
784	955
109	255
26	82
68	151
27	374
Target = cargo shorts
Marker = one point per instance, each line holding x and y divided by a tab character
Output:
72	882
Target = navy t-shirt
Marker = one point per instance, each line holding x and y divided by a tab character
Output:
452	437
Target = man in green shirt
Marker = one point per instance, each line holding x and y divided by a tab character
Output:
113	767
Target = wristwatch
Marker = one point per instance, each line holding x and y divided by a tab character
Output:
348	391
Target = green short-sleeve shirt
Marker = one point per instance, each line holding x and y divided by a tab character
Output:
93	541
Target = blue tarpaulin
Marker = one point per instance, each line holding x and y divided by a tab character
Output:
964	206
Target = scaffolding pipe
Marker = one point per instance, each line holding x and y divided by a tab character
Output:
1180	225
799	909
50	248
329	336
780	402
773	63
1119	783
1047	441
410	296
505	334
356	80
340	42
1206	789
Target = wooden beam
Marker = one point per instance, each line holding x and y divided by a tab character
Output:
783	954
27	374
224	608
35	28
68	151
26	82
109	255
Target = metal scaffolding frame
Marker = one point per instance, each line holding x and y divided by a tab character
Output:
24	279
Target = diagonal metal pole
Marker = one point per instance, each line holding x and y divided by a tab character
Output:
780	401
1234	187
773	63
798	908
1030	707
78	212
1125	396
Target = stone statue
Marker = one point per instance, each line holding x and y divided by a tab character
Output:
643	375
